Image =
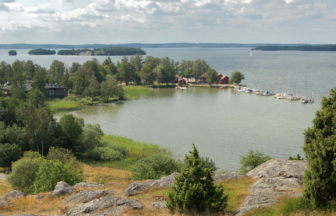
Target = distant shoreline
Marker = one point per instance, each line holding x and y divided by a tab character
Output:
144	45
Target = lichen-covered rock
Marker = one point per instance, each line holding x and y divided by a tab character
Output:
39	196
87	185
279	168
160	205
6	200
63	188
280	178
130	204
228	176
93	206
137	187
87	195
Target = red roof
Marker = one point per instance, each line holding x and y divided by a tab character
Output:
204	75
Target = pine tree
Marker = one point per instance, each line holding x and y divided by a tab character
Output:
320	149
194	188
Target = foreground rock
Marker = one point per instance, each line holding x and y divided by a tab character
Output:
87	195
130	204
94	206
228	176
280	178
160	204
87	185
63	188
137	187
6	200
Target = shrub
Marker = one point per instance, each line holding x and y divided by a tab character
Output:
251	160
155	167
8	154
24	172
298	157
63	155
53	171
31	154
91	136
194	189
104	153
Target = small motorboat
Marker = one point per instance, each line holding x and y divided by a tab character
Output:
268	93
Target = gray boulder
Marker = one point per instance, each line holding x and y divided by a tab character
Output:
63	188
95	206
160	205
137	187
87	195
279	168
130	204
228	176
7	172
87	185
279	178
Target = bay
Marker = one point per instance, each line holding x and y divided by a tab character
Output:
222	124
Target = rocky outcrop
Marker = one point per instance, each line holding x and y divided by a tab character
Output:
130	204
280	168
87	195
87	185
94	206
279	178
63	188
228	176
137	187
6	200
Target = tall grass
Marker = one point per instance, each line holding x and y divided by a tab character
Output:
5	187
135	92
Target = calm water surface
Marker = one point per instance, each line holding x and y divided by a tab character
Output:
223	124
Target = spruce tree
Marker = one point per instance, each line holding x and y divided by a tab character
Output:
320	149
194	189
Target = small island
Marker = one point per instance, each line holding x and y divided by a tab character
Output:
12	52
41	52
297	48
106	51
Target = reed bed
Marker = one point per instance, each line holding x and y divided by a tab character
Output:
135	92
63	104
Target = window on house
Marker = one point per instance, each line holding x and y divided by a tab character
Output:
51	92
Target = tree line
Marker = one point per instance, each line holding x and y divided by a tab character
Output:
42	52
105	51
298	48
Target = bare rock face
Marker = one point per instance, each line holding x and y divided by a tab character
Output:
95	207
63	188
130	204
228	176
137	187
279	168
87	185
87	195
279	178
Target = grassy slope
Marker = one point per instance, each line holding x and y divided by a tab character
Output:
134	92
63	105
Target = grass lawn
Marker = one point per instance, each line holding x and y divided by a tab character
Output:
134	92
63	104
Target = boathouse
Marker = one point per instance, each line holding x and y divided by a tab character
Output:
222	79
182	81
203	78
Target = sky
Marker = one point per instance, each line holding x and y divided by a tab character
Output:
167	21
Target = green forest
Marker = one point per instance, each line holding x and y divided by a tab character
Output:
106	51
298	48
42	52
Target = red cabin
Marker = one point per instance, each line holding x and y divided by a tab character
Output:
182	82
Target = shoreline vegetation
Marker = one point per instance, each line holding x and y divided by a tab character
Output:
105	51
297	48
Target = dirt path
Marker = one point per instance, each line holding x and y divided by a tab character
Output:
2	176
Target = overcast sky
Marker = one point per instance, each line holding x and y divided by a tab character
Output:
167	21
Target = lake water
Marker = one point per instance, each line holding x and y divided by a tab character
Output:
222	124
